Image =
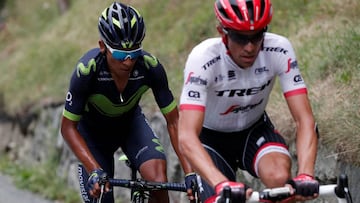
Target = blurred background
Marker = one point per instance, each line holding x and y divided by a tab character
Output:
41	41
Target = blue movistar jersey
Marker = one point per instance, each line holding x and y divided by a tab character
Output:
94	100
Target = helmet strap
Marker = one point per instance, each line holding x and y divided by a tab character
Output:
224	36
225	40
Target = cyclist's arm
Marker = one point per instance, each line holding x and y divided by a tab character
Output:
165	100
77	144
190	124
172	119
306	137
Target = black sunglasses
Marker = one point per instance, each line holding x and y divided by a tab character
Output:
245	39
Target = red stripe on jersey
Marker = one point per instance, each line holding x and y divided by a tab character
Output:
192	107
295	92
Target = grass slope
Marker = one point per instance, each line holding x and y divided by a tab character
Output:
39	49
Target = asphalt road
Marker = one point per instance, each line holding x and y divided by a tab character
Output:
10	194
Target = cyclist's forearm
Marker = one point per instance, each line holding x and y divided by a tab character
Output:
83	154
190	125
306	138
172	119
306	147
201	162
78	146
175	143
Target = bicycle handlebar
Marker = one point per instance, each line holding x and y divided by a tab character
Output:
147	185
284	192
340	191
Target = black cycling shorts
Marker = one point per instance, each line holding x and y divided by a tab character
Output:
230	151
136	139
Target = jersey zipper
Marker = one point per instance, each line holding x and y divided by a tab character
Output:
121	98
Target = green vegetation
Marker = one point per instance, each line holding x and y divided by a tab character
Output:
41	179
39	49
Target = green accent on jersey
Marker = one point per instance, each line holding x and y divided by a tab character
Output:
160	147
150	61
71	116
168	108
107	108
81	69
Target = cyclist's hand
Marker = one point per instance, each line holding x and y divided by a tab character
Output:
97	183
191	186
305	186
227	190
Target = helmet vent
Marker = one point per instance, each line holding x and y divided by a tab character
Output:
237	12
222	10
250	8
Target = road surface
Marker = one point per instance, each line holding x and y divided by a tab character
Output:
10	194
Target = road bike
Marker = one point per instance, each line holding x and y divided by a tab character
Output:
140	188
340	191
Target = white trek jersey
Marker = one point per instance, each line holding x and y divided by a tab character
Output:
234	98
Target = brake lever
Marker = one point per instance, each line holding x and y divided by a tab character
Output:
102	182
195	192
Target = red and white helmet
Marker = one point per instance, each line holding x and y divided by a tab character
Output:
243	15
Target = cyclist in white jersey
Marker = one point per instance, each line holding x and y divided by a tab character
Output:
223	125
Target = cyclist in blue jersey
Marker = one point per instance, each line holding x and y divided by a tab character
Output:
102	112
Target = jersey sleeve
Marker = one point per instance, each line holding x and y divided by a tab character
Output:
194	94
159	85
78	91
290	78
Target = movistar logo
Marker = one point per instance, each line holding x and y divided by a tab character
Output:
127	44
150	61
159	147
81	69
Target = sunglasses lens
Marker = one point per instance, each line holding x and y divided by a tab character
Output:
123	55
245	39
